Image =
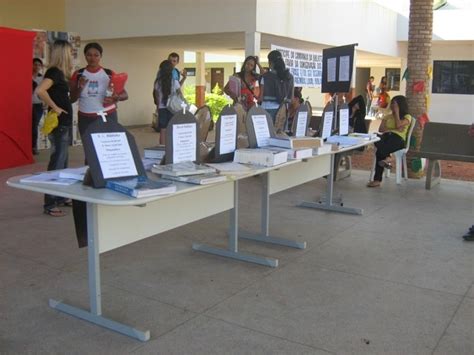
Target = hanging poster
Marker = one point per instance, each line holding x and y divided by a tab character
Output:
306	67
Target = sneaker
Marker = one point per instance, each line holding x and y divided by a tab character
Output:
374	183
469	237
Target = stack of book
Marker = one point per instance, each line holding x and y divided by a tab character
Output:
293	154
296	142
156	152
189	172
74	173
141	187
262	156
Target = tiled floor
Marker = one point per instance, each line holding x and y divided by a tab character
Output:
397	280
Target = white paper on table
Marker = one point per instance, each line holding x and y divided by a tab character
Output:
344	121
262	133
228	138
331	69
114	154
327	124
184	142
301	124
344	68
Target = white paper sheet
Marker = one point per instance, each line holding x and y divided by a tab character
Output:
262	133
327	124
228	138
331	69
344	121
184	142
301	124
344	68
114	154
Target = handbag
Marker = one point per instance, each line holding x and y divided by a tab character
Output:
175	100
51	121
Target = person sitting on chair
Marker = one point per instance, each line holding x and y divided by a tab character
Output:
394	130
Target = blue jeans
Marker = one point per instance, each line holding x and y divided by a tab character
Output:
59	139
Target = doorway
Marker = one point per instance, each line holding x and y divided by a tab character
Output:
217	77
362	77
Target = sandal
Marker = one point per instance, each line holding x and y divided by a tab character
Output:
66	203
54	212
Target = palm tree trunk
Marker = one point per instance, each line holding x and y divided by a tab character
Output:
418	63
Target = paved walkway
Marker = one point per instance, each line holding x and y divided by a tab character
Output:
397	280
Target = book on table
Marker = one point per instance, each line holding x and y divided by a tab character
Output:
365	136
48	178
141	187
73	173
204	179
324	149
293	154
149	163
344	141
182	169
156	152
296	142
230	168
260	156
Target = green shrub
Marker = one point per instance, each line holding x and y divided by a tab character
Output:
215	100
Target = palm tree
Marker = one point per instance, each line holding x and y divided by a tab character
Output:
420	33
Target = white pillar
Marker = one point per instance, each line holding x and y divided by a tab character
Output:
200	78
252	43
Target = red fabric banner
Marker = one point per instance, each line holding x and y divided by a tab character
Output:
15	97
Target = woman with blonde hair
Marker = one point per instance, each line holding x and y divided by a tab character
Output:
54	91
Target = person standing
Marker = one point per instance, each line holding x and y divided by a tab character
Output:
249	86
469	236
369	93
177	75
277	84
54	91
92	87
37	103
164	85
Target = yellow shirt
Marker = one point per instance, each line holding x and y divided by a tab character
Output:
390	125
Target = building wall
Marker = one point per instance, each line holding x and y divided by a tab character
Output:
452	108
143	18
33	14
331	22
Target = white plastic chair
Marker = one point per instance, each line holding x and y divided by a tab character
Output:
400	158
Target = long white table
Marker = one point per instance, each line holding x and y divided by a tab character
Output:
115	220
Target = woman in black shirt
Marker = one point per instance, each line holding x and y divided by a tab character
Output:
54	91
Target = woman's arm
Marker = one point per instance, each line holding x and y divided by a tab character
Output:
76	86
400	123
42	92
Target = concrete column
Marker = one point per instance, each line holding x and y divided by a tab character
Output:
252	43
200	79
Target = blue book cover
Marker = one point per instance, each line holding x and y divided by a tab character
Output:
140	187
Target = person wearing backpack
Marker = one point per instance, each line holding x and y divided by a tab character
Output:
90	86
277	84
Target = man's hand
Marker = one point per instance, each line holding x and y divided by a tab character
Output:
184	73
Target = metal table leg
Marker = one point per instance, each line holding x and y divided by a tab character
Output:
232	250
95	296
327	203
264	235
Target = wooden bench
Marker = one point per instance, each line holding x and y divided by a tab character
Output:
444	141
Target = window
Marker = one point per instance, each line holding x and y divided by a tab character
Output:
453	77
393	78
190	71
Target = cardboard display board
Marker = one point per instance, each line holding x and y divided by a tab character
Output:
300	124
111	153
338	65
343	119
226	135
259	127
326	125
182	140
